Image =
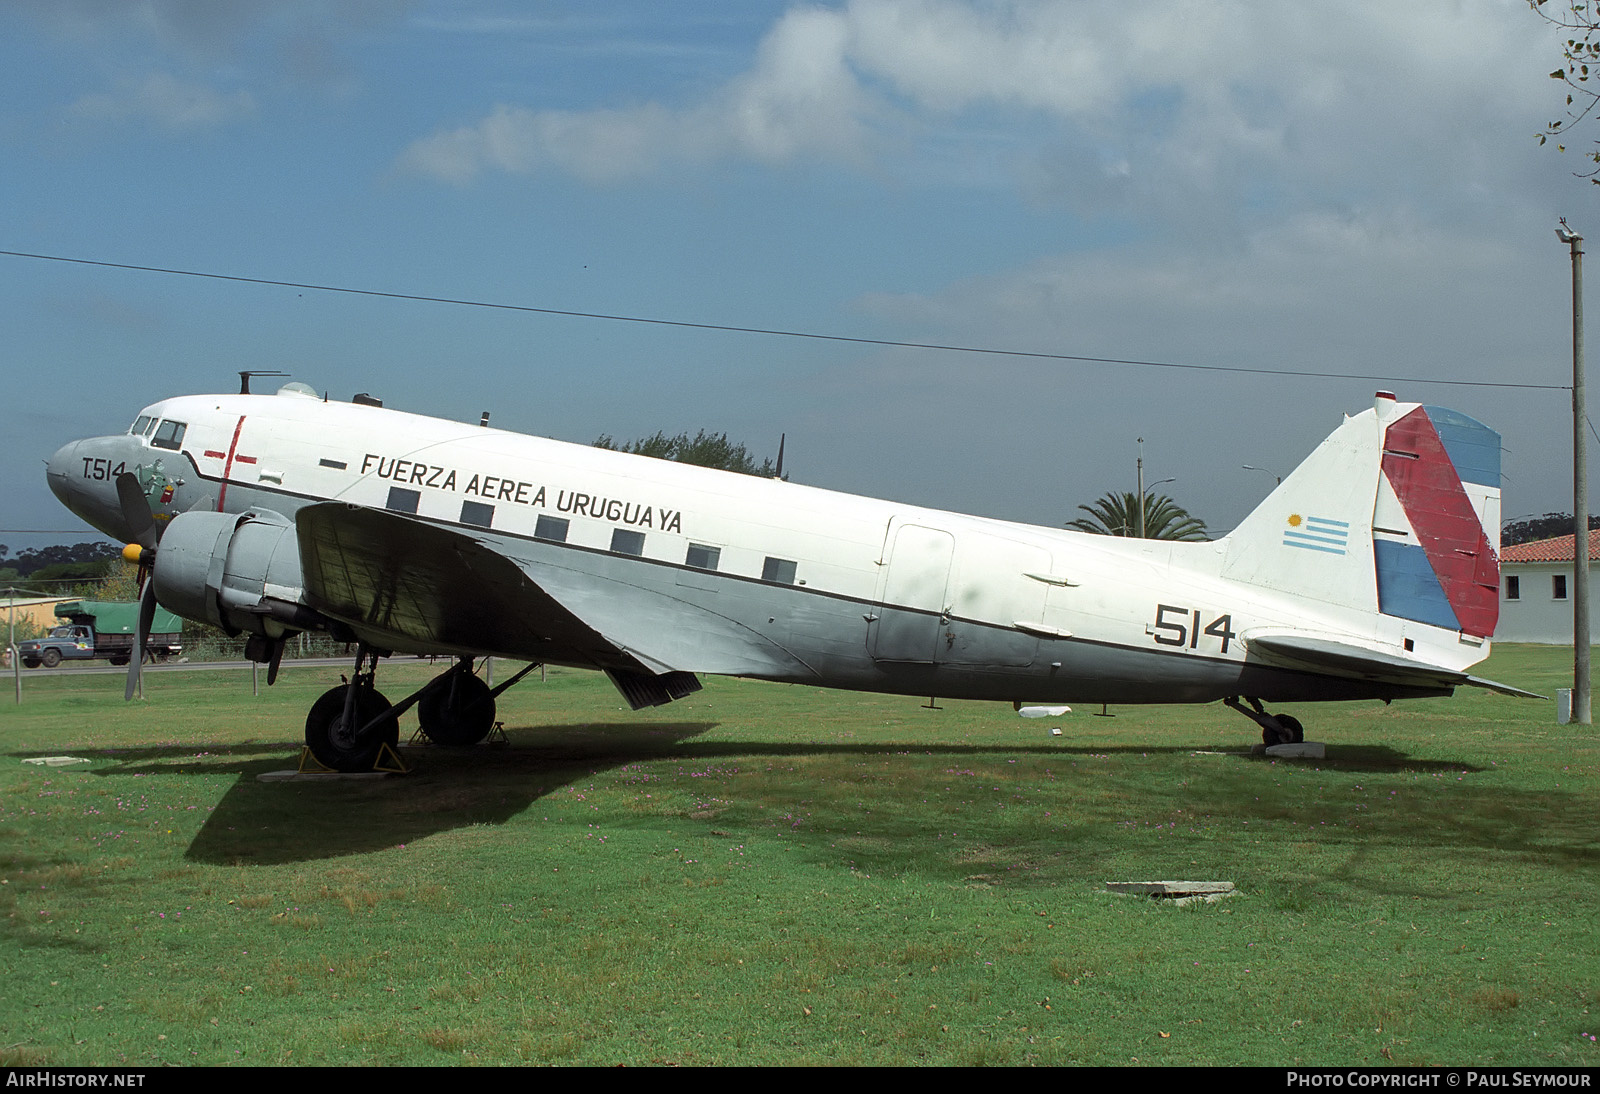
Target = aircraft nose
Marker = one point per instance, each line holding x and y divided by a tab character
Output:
56	471
82	477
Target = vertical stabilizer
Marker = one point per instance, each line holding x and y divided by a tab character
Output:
1312	537
1397	512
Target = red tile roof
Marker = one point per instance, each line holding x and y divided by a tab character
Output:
1558	549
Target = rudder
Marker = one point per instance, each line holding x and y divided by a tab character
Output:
1436	521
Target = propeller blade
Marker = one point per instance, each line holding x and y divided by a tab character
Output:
147	615
136	510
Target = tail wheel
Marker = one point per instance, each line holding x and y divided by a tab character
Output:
1289	731
459	713
344	747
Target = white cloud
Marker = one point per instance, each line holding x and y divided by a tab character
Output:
166	101
799	99
1212	89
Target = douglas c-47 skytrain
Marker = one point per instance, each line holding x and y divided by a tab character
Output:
1369	573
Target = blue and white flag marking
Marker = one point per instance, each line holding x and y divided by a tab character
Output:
1319	534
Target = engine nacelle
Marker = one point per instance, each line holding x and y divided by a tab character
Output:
240	572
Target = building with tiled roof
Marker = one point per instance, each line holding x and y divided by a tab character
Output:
1558	549
1535	590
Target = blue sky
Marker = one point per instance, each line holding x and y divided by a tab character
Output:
1352	187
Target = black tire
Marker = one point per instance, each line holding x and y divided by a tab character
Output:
51	658
459	713
328	740
1296	732
119	659
30	662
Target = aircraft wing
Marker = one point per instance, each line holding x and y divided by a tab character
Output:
407	584
1306	652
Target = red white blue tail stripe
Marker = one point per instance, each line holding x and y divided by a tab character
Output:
1435	524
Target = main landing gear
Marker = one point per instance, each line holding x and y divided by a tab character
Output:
354	728
456	709
351	725
1276	729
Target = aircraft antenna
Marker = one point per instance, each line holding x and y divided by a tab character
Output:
244	378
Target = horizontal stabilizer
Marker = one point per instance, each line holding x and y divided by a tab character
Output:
1305	652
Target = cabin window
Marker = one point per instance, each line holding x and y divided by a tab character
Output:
140	425
402	500
1513	587
780	570
1558	586
552	528
627	542
170	435
476	513
702	557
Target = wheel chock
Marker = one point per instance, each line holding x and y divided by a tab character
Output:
387	763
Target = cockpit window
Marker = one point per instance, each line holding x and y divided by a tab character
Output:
141	425
170	435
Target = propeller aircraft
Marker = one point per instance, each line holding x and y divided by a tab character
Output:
1371	572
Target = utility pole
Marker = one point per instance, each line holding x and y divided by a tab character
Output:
1141	487
1581	710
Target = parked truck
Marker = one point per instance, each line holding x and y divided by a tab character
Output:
102	628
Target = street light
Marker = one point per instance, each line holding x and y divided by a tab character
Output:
1276	477
1581	713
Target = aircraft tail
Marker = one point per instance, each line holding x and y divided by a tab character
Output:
1396	514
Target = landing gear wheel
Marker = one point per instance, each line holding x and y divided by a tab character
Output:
458	713
51	658
1287	732
336	745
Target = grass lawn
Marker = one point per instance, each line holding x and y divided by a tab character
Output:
767	874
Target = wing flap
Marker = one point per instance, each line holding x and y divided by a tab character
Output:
662	631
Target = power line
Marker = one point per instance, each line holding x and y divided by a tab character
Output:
774	332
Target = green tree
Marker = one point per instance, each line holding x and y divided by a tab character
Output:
1116	514
1580	19
703	450
1549	526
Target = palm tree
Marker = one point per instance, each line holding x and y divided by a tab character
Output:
1117	514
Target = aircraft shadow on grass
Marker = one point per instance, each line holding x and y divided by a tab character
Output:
270	822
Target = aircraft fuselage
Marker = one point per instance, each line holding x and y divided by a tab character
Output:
837	590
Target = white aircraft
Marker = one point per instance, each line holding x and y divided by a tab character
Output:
1369	573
